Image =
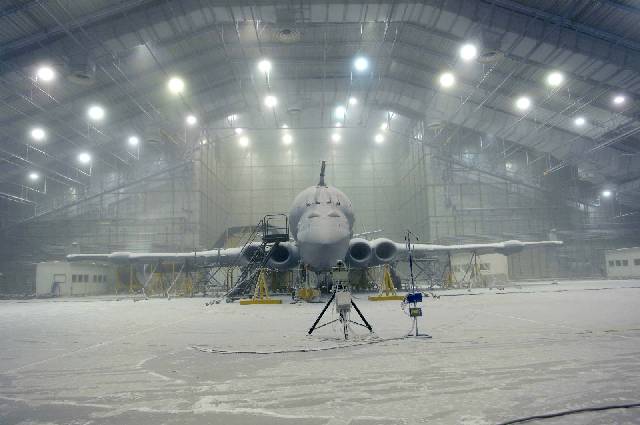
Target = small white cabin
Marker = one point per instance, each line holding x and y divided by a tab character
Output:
60	278
623	262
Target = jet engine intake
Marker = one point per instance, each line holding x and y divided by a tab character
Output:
384	251
359	253
284	256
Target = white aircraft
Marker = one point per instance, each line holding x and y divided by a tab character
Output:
321	223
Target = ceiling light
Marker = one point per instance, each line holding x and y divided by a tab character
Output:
232	117
384	126
555	78
353	101
335	137
33	176
379	138
579	121
133	141
287	139
468	52
338	124
523	103
191	120
619	99
203	142
270	101
392	115
284	126
361	64
606	193
95	112
176	85
447	79
238	130
264	66
84	158
38	134
45	73
243	141
340	112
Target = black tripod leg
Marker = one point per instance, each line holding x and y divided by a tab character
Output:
361	316
326	306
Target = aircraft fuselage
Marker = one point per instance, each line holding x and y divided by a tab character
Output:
321	220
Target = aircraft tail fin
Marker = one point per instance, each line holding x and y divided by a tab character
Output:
321	182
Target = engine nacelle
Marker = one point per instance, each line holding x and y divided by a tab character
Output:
384	251
360	252
284	256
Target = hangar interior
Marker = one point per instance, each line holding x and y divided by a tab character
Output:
169	125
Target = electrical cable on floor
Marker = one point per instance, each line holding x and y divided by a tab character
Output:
295	350
571	412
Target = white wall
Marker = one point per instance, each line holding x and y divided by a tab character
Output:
623	262
493	267
73	279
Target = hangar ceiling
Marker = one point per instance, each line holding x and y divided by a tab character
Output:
120	55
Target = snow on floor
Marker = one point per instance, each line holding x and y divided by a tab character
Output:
495	355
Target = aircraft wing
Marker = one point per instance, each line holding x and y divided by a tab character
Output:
221	257
364	253
505	248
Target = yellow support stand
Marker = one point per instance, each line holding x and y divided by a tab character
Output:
261	293
309	294
387	290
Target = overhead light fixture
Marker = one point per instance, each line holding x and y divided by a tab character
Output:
338	124
555	78
243	141
353	101
270	101
523	103
191	120
335	137
606	194
38	134
340	112
232	117
238	130
361	64
287	139
176	85
45	73
508	165
392	115
134	141
203	142
379	138
284	126
264	66
33	176
619	99
468	52
384	126
84	158
447	79
95	112
579	121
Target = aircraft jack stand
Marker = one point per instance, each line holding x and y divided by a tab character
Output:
387	290
261	293
343	306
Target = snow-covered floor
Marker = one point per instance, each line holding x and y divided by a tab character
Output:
494	356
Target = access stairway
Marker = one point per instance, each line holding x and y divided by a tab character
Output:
272	230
